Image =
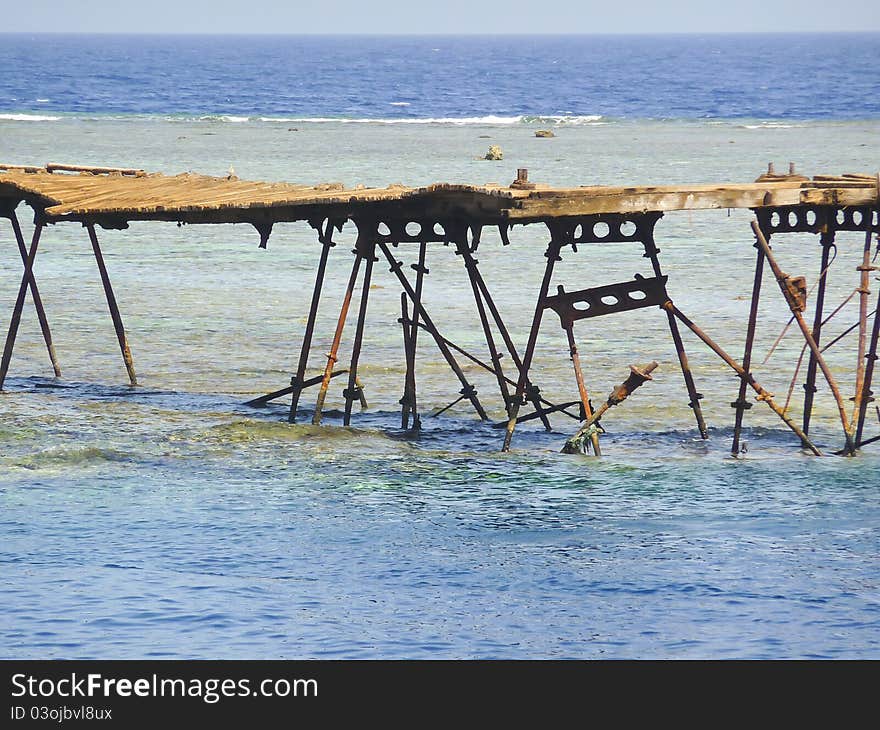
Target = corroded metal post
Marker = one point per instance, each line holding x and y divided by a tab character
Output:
864	293
333	356
552	254
783	280
470	265
652	252
19	303
408	404
741	404
366	245
582	386
411	334
763	393
296	382
826	239
114	307
35	293
467	390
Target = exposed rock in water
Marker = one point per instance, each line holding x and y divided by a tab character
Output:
544	133
494	153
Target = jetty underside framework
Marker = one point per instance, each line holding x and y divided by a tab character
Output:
455	215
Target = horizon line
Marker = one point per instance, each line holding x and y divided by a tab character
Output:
410	34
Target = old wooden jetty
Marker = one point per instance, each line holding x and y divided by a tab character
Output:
455	214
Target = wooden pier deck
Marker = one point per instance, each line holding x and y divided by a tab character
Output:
111	198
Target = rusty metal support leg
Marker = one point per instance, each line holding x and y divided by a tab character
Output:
467	390
582	387
19	303
827	241
297	381
333	355
408	402
741	404
867	398
550	407
354	390
114	308
652	252
35	294
552	255
532	390
470	265
864	293
782	279
763	393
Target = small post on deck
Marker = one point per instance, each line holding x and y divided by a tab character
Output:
35	293
332	356
741	404
297	382
552	254
19	301
826	239
114	308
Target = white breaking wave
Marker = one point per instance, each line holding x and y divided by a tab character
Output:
27	118
771	125
490	119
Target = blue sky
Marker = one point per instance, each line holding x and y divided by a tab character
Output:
440	16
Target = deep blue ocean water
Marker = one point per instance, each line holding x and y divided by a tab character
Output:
171	521
798	76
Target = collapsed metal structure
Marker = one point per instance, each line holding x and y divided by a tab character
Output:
456	215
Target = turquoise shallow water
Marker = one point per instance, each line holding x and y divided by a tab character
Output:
170	521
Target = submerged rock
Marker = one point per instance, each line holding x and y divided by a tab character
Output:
494	153
544	133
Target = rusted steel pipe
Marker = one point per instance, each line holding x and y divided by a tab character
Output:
296	382
468	390
408	401
511	348
864	292
411	335
763	393
332	356
582	387
551	407
263	400
652	252
741	404
637	376
827	241
470	265
35	294
354	391
19	304
552	255
782	279
114	307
